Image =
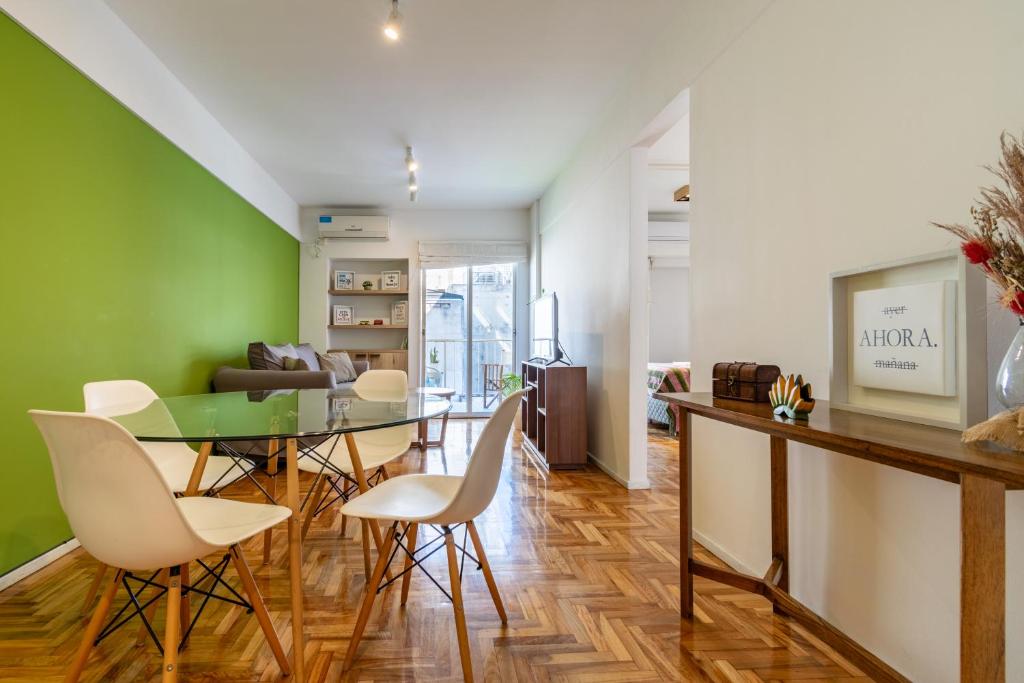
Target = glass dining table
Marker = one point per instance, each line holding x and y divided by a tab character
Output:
291	422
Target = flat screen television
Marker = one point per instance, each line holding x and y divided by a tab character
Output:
544	311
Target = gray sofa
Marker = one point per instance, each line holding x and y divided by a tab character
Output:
266	370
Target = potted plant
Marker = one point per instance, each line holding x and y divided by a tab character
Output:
367	285
995	243
510	383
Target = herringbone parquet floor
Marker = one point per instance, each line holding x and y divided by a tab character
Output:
588	571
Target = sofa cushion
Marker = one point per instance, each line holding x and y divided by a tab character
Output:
340	364
268	356
307	353
292	364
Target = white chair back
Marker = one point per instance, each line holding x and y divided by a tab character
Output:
119	505
382	385
484	470
117	397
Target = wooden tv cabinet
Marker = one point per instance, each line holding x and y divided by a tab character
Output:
555	414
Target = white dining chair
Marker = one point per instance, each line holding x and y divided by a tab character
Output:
123	512
175	460
332	463
443	501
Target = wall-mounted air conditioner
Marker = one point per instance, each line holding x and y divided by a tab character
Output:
335	227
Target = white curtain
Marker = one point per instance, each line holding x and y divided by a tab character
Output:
440	254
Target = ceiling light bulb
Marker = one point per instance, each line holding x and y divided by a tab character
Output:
410	161
413	185
393	25
412	196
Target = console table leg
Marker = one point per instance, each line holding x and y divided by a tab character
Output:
982	579
780	510
685	514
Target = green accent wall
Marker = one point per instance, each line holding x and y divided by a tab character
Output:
121	258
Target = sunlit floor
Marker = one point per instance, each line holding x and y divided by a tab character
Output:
588	572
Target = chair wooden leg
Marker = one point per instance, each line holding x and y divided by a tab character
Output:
143	634
460	614
365	534
488	576
444	429
314	502
364	486
410	535
344	524
93	628
371	594
258	606
94	587
268	535
384	473
186	600
172	631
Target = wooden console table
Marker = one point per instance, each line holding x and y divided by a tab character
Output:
984	473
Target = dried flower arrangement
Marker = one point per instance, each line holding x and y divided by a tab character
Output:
995	242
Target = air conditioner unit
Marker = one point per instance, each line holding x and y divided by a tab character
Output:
335	227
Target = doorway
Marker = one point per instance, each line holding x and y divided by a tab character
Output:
469	333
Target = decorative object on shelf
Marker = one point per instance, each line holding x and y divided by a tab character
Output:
791	397
365	321
904	338
400	313
1005	429
344	279
378	321
391	280
367	285
995	243
743	381
343	315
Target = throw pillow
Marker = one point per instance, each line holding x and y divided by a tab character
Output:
340	364
295	364
307	353
269	357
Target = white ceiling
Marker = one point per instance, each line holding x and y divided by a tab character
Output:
493	95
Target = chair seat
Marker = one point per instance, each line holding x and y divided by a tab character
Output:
409	498
375	449
222	522
176	461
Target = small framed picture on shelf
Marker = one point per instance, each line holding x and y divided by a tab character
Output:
400	313
391	279
344	279
344	315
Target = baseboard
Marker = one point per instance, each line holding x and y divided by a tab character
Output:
32	566
627	483
724	555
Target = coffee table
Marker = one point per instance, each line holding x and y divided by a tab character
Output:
424	425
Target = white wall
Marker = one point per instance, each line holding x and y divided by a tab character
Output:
408	228
669	315
587	263
827	137
89	35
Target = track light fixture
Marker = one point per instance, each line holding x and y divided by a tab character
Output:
413	185
393	26
410	161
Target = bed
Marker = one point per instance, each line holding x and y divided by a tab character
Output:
665	377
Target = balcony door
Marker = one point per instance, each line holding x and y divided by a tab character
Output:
469	333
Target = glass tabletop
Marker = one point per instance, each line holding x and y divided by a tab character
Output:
258	415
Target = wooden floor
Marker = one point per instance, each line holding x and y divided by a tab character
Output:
588	572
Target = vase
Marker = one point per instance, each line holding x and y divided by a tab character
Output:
1010	380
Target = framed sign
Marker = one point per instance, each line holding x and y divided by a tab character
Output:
908	340
904	338
391	279
400	313
344	279
343	315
